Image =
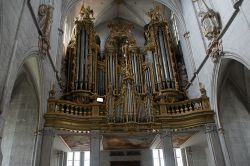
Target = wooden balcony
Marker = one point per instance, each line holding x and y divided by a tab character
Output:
68	115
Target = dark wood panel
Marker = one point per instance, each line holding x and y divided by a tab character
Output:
125	163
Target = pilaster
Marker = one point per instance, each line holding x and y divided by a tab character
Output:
183	156
47	145
2	121
214	144
95	148
60	158
188	155
167	145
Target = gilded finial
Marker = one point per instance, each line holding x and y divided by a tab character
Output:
154	14
82	11
52	92
86	12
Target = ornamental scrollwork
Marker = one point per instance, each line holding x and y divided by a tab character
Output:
210	24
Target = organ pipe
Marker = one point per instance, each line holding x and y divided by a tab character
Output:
128	78
81	59
159	41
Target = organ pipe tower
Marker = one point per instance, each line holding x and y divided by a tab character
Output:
81	60
161	73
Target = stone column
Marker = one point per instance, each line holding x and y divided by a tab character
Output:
2	121
95	148
214	145
64	158
183	156
188	155
224	146
60	158
81	158
167	146
47	145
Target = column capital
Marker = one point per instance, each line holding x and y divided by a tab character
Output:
166	133
95	134
49	131
220	130
210	127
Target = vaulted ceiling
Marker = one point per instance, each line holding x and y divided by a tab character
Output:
106	10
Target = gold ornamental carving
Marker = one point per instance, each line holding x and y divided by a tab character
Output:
126	89
210	24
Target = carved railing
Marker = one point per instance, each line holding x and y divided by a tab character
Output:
70	108
184	114
183	107
179	115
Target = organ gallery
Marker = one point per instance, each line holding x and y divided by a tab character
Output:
125	88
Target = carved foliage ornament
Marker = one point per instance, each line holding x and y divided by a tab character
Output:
215	50
86	12
154	14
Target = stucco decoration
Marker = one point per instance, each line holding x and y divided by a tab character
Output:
215	50
210	24
45	14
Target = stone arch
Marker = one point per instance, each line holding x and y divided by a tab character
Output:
231	79
172	5
21	122
26	73
214	83
13	73
1	22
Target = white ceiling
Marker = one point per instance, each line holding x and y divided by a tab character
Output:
106	11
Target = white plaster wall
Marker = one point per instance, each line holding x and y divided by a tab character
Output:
58	147
198	150
234	111
20	42
55	35
20	125
236	40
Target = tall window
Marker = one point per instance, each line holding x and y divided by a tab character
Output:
87	158
73	159
159	160
158	157
178	157
76	159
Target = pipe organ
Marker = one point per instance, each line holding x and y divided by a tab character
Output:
138	89
130	80
126	100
